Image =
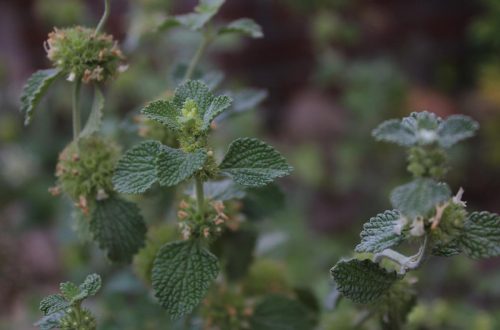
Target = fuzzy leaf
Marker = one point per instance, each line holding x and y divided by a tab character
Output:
419	197
362	281
164	112
217	106
35	88
481	235
91	285
203	12
53	303
379	233
175	166
253	163
95	117
118	227
276	312
446	250
182	274
393	131
50	321
456	128
136	170
244	26
69	290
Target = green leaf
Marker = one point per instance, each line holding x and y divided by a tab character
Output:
218	105
456	128
91	285
203	12
136	170
175	166
53	304
419	197
69	290
95	118
35	88
481	235
276	312
379	233
362	281
393	131
50	321
182	274
253	163
118	227
164	112
446	250
244	26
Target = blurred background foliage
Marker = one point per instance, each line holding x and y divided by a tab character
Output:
333	70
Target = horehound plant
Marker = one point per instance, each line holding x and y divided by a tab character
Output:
425	212
184	270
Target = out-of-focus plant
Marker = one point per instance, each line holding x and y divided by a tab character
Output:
425	212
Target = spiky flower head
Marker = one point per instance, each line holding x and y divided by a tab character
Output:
80	53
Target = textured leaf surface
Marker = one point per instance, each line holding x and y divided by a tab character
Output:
53	303
203	12
419	197
276	312
175	166
34	89
182	273
91	285
118	227
95	117
481	235
164	112
136	171
446	250
362	281
69	290
253	163
379	233
456	128
50	321
216	107
244	26
426	128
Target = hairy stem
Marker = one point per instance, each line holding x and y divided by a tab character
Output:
205	41
76	109
200	196
405	263
104	17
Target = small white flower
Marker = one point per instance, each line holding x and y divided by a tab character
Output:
400	224
457	199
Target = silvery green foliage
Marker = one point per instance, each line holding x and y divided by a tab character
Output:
424	128
59	307
424	209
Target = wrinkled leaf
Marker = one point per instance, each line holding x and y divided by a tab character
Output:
53	303
164	112
136	170
118	227
182	274
175	166
362	281
253	163
379	233
456	128
33	91
481	235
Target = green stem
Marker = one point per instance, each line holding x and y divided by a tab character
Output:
76	109
205	41
104	17
200	196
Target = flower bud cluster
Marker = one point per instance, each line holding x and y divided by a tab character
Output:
80	53
210	225
77	319
427	162
85	169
